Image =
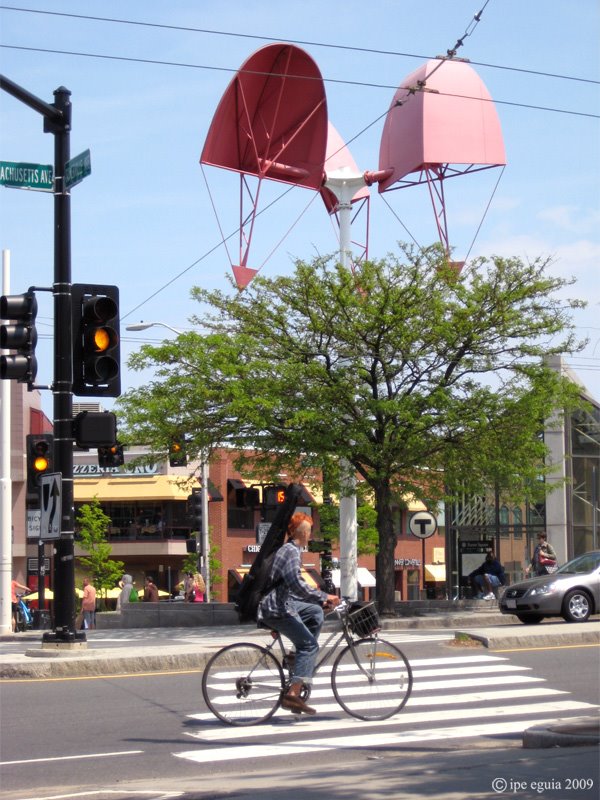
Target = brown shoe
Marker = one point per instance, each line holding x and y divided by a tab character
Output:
296	704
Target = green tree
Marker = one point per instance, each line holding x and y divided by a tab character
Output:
366	519
93	524
427	382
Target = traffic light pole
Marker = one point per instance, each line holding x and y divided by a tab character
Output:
57	121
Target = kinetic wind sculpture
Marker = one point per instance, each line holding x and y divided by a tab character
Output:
271	124
441	124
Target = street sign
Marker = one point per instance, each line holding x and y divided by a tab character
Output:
77	169
19	175
51	505
422	524
33	523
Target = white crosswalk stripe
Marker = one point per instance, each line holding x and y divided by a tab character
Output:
444	705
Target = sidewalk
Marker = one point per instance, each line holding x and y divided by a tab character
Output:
145	651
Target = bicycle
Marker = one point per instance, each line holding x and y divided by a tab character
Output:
243	683
23	615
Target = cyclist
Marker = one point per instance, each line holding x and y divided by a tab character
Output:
294	609
14	587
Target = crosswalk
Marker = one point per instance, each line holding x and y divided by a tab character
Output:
464	696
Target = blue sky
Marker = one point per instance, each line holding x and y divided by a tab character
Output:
143	219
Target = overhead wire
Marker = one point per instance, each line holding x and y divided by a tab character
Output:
450	54
304	42
366	84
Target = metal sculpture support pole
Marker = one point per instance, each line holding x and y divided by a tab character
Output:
344	184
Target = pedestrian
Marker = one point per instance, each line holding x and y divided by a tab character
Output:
14	600
150	591
88	605
294	609
198	588
126	589
544	560
487	577
188	587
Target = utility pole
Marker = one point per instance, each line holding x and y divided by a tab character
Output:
57	121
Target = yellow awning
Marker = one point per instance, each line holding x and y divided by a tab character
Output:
239	573
435	572
155	487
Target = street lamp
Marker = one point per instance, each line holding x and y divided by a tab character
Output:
143	326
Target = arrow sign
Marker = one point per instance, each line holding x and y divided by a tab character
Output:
51	505
423	524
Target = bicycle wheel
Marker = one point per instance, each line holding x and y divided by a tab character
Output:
242	684
371	679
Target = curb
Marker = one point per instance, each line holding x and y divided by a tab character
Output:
38	664
528	638
576	732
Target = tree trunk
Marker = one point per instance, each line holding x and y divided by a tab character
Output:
387	545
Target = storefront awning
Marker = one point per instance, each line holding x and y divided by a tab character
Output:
239	572
364	577
157	487
435	572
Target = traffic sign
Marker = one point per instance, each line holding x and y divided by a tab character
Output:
33	524
77	169
422	524
51	505
20	175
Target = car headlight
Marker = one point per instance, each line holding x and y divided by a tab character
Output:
546	588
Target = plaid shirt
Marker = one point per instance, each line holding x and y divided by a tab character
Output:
286	572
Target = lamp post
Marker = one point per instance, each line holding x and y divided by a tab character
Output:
143	326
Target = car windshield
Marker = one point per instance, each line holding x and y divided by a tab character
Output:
581	565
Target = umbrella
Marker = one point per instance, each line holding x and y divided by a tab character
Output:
48	595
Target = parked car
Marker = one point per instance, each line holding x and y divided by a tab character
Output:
572	592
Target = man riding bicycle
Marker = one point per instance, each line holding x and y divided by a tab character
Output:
295	610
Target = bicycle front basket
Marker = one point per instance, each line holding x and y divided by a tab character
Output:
364	620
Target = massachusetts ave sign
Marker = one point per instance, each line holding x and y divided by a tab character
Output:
19	175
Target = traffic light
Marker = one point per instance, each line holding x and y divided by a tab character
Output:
273	496
247	498
111	456
40	461
195	509
177	453
20	336
96	340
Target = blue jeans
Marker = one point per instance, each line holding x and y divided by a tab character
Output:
493	579
302	629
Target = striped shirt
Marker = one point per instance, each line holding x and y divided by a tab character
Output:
286	573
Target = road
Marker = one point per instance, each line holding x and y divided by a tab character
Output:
65	735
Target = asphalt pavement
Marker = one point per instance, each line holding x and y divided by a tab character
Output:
113	652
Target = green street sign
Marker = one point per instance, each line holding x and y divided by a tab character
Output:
19	175
77	169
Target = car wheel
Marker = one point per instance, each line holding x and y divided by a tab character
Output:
577	606
529	619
